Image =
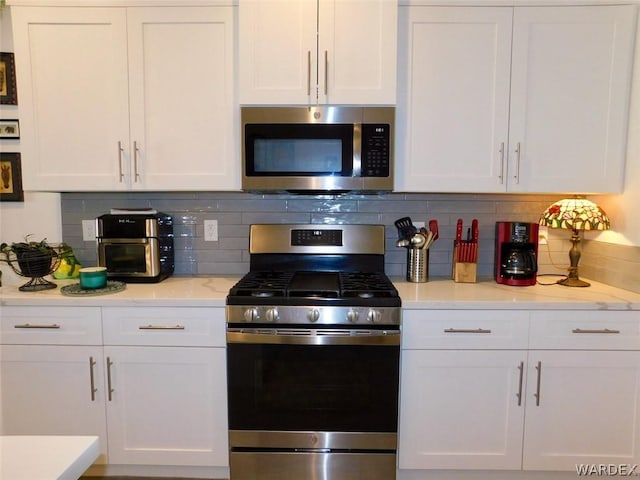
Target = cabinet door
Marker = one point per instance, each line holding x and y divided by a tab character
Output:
453	98
167	406
277	51
72	80
53	390
357	51
570	86
585	410
461	409
182	98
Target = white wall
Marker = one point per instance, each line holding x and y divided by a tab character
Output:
39	214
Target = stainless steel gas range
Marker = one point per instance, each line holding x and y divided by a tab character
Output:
313	346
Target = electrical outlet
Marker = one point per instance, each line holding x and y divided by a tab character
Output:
543	238
211	230
89	230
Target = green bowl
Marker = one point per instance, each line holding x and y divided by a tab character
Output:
93	277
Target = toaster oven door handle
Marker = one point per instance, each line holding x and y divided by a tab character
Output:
314	337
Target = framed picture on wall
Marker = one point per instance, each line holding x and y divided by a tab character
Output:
10	178
9	129
8	91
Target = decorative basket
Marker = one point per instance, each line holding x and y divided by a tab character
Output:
34	263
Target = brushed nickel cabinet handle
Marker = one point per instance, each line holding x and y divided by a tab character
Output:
109	389
596	331
326	72
120	170
467	330
501	176
136	149
521	378
161	327
517	174
92	363
308	73
51	326
537	394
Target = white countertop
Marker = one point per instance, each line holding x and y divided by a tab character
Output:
436	294
55	457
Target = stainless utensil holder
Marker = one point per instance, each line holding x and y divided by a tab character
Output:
418	265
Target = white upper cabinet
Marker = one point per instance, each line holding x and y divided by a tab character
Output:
453	97
318	51
181	87
542	109
126	98
570	84
72	77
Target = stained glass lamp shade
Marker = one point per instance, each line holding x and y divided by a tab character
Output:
575	214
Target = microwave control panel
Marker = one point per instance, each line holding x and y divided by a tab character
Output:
375	157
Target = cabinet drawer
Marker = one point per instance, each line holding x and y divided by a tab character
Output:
585	330
173	326
50	326
469	329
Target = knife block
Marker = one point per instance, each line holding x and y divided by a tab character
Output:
463	272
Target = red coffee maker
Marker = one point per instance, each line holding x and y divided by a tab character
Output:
516	253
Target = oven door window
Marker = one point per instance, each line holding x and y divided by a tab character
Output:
126	258
299	150
313	387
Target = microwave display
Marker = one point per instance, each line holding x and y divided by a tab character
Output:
317	148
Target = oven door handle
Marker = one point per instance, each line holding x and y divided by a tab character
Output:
315	337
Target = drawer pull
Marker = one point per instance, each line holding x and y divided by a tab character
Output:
520	381
92	364
467	330
161	327
28	325
538	380
110	390
603	330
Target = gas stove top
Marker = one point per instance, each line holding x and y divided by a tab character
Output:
315	274
308	287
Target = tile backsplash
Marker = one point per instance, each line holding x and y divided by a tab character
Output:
235	212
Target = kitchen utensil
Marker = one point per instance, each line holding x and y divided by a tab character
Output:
433	227
418	240
405	227
403	242
430	239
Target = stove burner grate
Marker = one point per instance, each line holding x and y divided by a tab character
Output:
264	284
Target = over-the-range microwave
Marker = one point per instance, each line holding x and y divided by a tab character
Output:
322	149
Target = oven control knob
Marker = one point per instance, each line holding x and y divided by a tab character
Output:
272	315
374	316
313	315
352	316
251	314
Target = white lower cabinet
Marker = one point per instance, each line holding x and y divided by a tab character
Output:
583	407
52	373
462	381
166	383
150	382
53	390
166	406
471	401
461	409
583	394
